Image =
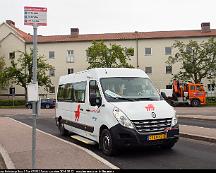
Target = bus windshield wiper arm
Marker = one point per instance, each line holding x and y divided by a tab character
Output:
123	98
143	98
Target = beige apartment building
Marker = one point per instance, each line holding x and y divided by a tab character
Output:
67	53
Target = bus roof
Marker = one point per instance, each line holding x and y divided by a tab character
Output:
97	73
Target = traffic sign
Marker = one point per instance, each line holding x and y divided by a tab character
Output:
35	15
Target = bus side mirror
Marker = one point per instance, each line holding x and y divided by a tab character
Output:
95	101
164	95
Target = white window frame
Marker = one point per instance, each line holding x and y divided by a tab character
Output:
166	69
70	56
12	53
54	90
166	52
53	57
70	69
50	74
146	70
145	51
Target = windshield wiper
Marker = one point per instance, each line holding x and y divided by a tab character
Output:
122	98
144	98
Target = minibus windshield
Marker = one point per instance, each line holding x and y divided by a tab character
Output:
128	89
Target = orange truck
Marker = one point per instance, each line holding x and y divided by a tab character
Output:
185	92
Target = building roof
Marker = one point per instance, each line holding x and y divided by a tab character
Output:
116	36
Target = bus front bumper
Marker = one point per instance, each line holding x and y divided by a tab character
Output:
123	136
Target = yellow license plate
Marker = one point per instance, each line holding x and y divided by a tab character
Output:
156	137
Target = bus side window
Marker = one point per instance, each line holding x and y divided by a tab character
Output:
79	90
93	88
60	95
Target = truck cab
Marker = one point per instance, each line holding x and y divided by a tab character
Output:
196	94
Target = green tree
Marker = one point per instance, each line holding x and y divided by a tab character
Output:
100	56
2	78
20	71
197	60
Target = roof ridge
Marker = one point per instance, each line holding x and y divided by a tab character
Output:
115	36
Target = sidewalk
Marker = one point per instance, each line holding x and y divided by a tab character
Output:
200	133
52	152
195	132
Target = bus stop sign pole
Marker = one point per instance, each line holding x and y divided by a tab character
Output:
34	104
34	16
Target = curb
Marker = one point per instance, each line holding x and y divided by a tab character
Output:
6	158
196	137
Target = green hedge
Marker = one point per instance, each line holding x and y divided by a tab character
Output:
10	102
211	99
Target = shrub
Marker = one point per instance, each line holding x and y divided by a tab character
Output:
211	99
10	102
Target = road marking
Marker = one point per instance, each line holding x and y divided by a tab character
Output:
7	160
84	149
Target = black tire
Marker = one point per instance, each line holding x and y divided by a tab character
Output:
29	106
47	106
106	143
168	145
195	103
62	130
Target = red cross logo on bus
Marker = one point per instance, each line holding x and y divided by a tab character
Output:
77	113
150	107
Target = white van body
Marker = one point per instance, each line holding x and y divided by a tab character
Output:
114	119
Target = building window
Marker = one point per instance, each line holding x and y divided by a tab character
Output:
211	87
12	91
148	70
189	50
129	51
11	55
52	72
168	86
168	50
70	70
169	69
148	51
51	55
52	90
70	56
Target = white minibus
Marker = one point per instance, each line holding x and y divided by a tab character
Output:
115	107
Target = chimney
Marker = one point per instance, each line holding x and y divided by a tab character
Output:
10	22
205	27
74	31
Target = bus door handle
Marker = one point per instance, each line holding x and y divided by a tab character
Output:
88	110
81	109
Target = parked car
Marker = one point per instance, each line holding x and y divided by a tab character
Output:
45	103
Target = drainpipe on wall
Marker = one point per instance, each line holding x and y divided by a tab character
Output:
137	45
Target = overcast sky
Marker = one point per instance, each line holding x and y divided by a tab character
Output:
111	16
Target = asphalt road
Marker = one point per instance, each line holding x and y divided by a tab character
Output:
186	153
188	110
197	122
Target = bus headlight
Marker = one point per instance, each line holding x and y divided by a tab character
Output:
122	118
